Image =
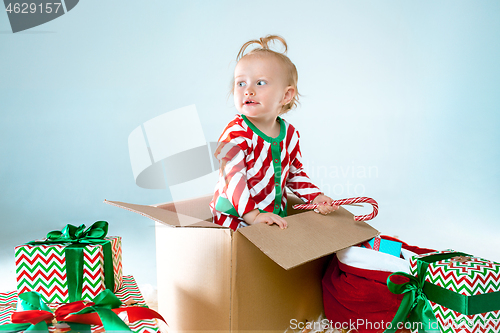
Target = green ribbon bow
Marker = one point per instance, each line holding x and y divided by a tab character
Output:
104	302
38	310
77	238
415	308
33	313
103	305
71	233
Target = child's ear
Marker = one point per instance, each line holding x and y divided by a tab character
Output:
289	94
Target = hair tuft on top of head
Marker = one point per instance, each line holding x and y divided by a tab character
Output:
263	42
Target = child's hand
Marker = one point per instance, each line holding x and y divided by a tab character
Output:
270	219
327	204
255	216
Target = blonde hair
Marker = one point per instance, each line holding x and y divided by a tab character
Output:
264	50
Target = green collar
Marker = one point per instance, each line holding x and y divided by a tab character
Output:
254	128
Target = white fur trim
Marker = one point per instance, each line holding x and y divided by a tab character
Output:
407	254
364	258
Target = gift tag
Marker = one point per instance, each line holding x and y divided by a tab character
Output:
384	245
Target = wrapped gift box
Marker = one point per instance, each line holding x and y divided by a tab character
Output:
128	294
384	245
43	268
463	291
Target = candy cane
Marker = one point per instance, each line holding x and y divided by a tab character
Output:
347	202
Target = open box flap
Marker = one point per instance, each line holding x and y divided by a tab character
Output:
163	215
195	207
309	236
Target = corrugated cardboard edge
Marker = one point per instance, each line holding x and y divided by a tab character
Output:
166	213
309	236
195	207
163	216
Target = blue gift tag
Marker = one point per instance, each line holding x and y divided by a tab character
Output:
387	246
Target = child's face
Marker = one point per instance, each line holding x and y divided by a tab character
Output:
260	89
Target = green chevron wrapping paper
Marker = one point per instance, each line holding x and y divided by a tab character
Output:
7	306
475	278
129	294
43	268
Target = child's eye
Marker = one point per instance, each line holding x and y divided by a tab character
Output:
241	84
261	83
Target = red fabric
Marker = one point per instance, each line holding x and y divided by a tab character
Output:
359	298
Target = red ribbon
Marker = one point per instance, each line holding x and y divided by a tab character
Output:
32	316
135	313
65	313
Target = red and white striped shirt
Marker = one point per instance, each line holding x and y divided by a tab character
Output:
254	171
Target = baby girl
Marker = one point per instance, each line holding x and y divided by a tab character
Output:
259	151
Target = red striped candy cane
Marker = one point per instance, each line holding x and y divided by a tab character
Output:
348	202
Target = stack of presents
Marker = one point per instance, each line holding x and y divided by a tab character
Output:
322	273
72	281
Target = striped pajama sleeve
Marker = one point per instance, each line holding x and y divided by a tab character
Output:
298	181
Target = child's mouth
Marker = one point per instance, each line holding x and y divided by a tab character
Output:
249	102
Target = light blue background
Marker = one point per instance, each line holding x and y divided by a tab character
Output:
400	102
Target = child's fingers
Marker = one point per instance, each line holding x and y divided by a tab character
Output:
325	209
280	222
270	219
321	209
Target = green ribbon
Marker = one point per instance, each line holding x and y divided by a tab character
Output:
77	238
467	305
30	301
415	307
104	302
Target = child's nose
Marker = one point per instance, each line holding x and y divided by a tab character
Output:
249	92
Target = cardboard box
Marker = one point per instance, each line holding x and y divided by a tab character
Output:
259	278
